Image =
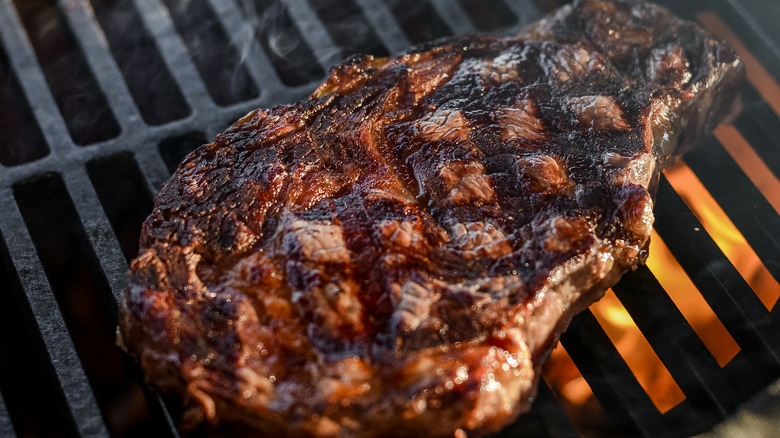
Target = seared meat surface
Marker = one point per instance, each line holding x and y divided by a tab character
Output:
397	254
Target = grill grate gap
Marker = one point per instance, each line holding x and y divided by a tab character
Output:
348	27
120	187
83	297
21	140
419	20
682	352
489	15
216	59
149	81
174	149
79	98
28	383
613	383
290	56
729	185
732	300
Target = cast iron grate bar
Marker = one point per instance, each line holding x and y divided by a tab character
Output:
174	53
28	385
240	32
80	401
93	46
125	200
613	383
348	28
21	140
760	125
454	16
677	345
86	302
282	42
22	60
81	101
732	300
378	14
753	216
102	244
152	152
210	47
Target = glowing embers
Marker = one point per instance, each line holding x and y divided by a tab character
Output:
690	302
724	233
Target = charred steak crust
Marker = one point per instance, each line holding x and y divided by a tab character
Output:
397	254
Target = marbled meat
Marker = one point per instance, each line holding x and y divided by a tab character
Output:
397	254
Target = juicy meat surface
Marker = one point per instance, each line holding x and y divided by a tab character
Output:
397	254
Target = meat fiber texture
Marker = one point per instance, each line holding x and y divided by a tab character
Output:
397	254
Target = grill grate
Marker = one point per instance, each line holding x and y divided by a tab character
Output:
73	198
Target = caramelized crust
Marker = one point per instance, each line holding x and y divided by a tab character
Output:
397	254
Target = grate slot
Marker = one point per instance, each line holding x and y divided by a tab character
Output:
79	98
678	347
489	15
348	27
733	191
21	140
732	300
613	383
174	149
123	195
151	85
419	20
209	46
290	55
83	296
29	385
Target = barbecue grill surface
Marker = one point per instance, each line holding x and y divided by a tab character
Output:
100	100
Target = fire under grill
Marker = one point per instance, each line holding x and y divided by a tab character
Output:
100	99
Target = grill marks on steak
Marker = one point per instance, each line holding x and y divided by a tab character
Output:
396	255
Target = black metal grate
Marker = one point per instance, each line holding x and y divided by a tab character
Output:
100	99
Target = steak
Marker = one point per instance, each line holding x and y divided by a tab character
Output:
397	254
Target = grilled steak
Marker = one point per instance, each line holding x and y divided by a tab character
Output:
397	254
